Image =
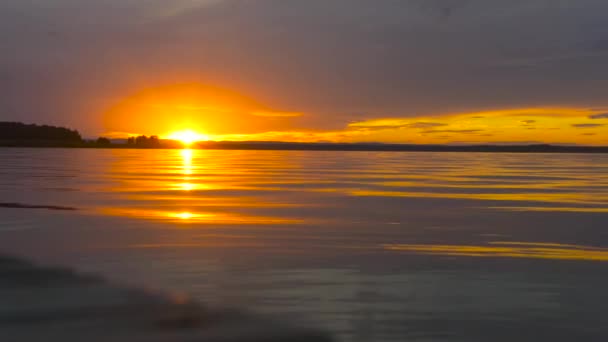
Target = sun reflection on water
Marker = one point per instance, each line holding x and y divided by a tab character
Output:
187	156
184	215
181	187
300	186
181	216
187	170
506	249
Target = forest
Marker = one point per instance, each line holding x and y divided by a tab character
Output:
20	132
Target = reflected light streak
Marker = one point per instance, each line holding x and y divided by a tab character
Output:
556	209
502	249
186	186
549	197
171	186
185	216
187	170
187	155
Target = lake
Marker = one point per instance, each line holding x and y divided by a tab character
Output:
372	246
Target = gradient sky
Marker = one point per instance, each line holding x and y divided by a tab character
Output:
422	71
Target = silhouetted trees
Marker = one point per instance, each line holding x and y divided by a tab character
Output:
144	141
103	141
17	134
17	131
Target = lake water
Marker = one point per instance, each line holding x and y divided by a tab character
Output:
371	246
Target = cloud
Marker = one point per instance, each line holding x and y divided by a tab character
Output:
276	114
399	123
599	116
587	125
462	131
294	136
424	125
528	122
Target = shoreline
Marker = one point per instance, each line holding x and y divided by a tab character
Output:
279	146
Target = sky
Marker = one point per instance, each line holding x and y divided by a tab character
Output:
408	71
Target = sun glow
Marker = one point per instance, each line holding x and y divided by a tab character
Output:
187	137
184	215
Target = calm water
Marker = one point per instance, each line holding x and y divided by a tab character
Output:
372	246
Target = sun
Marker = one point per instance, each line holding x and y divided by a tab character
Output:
187	137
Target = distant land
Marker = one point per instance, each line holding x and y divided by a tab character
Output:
20	133
16	134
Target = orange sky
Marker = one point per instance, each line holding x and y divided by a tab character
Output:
219	114
437	71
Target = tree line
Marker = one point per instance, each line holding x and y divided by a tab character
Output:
144	141
17	131
21	134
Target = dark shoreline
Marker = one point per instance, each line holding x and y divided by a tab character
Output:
289	146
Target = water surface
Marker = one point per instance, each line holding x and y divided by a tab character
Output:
372	246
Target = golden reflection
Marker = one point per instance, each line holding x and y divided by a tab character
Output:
187	170
191	187
502	249
554	209
548	197
187	161
197	217
184	215
186	186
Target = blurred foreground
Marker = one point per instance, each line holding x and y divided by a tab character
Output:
58	305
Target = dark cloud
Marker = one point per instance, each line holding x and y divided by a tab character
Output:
528	122
599	116
424	125
397	125
587	125
373	128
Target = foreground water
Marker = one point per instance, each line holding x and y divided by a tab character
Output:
372	246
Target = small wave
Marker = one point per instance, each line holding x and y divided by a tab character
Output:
32	206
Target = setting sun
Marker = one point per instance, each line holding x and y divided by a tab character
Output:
187	137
